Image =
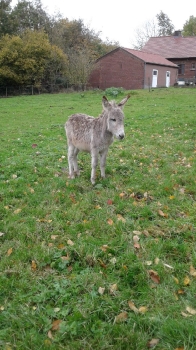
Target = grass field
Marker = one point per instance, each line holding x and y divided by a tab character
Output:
110	266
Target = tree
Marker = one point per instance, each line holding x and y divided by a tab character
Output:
165	26
28	59
79	68
142	34
160	26
5	20
189	28
29	15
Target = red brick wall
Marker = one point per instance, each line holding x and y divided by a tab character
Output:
121	69
161	79
189	73
118	69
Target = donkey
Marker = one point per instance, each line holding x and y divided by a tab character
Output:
94	135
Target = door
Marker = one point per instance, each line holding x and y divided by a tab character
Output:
168	79
154	77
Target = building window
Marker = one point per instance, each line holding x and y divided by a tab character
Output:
181	68
193	66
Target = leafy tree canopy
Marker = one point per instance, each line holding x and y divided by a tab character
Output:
189	28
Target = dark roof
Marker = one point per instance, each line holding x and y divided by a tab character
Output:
150	57
172	46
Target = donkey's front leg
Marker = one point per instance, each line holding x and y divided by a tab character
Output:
103	156
94	162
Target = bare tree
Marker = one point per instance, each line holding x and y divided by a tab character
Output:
79	68
159	26
143	33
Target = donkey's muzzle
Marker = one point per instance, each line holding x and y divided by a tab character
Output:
121	136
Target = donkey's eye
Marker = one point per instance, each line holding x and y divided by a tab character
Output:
113	120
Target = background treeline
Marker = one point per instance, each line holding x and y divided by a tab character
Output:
39	49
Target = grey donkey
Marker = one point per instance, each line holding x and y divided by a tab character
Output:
94	135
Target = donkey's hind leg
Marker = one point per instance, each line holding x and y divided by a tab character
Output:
72	160
75	162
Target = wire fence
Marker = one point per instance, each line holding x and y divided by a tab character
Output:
9	91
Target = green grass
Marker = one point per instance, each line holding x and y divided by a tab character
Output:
63	240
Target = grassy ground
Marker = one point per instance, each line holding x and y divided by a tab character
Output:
110	266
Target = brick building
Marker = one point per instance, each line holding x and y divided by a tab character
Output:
133	69
179	50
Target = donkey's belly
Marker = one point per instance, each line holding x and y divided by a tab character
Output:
82	146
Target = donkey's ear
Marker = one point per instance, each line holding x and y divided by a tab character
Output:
122	103
105	102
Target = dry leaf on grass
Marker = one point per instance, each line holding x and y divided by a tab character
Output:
9	252
120	218
122	317
113	288
190	310
192	271
33	265
101	290
56	325
187	281
152	343
133	307
161	213
2	234
154	276
110	222
70	242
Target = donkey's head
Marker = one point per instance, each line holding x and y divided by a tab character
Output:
115	117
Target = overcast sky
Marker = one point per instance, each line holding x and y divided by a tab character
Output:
118	20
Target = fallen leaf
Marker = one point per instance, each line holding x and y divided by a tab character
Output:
70	242
185	315
54	237
121	317
154	276
65	258
181	348
136	239
143	309
104	248
34	145
148	263
101	290
161	213
110	222
50	335
169	266
156	261
102	263
176	280
192	271
109	202
9	252
136	245
137	233
17	211
55	325
121	195
152	343
113	288
113	260
2	234
33	265
120	218
190	310
187	281
133	307
181	292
